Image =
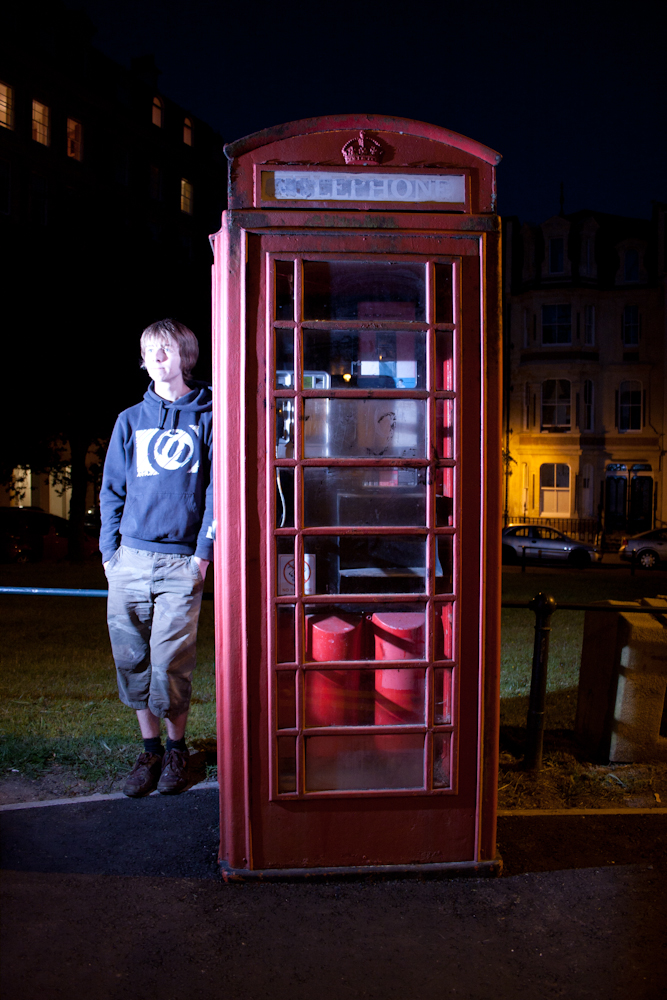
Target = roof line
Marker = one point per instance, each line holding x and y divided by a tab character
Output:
380	123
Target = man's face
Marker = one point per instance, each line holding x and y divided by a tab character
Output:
162	359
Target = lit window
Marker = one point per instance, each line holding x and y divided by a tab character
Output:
557	255
74	139
555	489
186	196
40	123
20	491
631	265
630	406
187	132
6	105
158	111
556	396
556	324
588	405
589	325
631	326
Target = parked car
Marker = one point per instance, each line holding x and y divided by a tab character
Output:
29	534
542	542
649	548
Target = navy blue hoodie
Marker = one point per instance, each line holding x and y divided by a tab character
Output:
157	490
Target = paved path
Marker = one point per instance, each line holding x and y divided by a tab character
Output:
121	899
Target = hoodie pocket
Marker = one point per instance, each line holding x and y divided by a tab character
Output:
162	517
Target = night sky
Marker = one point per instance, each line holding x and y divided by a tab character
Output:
571	92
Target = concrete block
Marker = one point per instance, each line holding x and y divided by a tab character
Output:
622	684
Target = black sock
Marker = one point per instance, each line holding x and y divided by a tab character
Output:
154	745
177	745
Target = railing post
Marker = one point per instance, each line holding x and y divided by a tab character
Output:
523	558
633	562
544	606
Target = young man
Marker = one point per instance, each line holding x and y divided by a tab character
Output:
156	541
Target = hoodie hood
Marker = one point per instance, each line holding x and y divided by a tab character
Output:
167	413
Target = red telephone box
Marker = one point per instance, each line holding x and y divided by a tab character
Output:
356	333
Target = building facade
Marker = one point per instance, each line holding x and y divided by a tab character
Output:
109	191
585	371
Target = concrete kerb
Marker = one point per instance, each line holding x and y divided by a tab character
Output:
77	800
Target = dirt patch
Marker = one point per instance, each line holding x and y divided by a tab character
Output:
61	782
567	781
57	783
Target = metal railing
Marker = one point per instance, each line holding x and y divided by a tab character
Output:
68	592
542	605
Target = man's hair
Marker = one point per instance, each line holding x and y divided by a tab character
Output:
171	330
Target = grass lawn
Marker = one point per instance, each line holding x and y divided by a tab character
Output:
59	706
60	717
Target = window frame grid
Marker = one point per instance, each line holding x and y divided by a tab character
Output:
434	603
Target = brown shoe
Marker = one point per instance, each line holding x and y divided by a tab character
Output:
180	771
144	776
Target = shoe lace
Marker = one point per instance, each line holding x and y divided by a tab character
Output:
143	759
175	760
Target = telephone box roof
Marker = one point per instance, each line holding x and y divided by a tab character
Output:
379	123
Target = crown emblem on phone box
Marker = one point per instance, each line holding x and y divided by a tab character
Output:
363	151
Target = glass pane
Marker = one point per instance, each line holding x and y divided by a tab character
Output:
364	290
364	497
444	498
562	476
442	760
370	564
444	309
444	565
285	648
339	697
444	360
443	698
284	498
343	632
364	762
284	289
285	566
285	410
444	428
360	428
444	627
286	700
286	763
547	475
284	359
364	697
365	359
399	697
